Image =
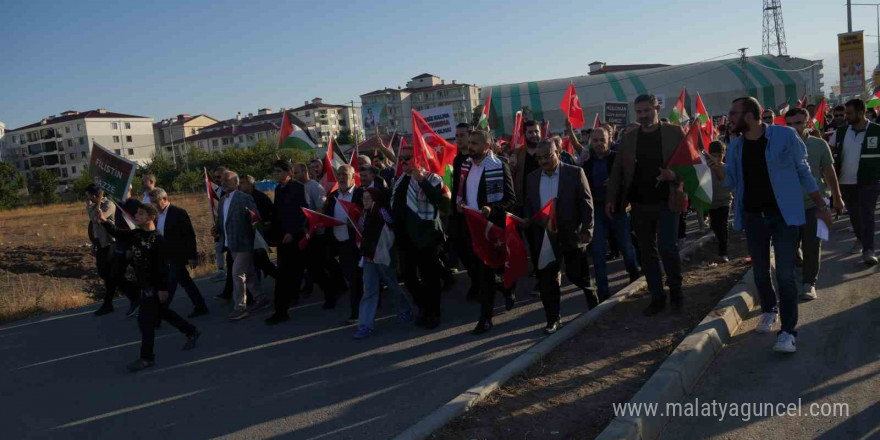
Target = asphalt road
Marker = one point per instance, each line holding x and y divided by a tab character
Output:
63	376
837	362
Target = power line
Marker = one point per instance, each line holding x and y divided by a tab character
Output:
785	70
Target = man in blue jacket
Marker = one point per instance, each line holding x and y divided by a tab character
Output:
767	169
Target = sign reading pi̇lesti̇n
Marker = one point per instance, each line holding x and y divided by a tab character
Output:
110	172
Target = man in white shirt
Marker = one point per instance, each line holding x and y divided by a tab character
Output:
148	182
342	241
857	159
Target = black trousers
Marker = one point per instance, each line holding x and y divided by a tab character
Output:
421	275
347	271
718	220
263	264
291	265
577	270
465	250
317	253
152	311
179	274
111	268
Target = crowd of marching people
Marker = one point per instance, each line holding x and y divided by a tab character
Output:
568	199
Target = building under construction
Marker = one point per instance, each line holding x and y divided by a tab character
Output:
773	80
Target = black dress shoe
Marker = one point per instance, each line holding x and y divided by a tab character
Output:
509	302
634	276
191	340
139	365
198	311
676	299
103	310
431	322
132	309
658	303
482	327
592	299
420	319
277	319
552	328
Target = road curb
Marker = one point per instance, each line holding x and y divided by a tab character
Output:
681	371
464	401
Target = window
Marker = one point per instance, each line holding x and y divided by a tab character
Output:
72	156
128	139
115	139
213	142
13	139
128	125
83	153
250	137
307	114
131	151
241	139
259	135
114	126
35	149
37	162
118	152
225	141
70	142
72	170
82	140
79	127
67	129
64	172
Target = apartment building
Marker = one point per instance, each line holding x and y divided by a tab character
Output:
328	120
238	132
390	109
62	144
171	134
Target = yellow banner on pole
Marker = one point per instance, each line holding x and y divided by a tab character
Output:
851	49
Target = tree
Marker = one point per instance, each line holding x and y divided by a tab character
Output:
344	137
478	112
11	184
44	184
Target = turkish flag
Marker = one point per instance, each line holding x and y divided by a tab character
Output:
354	164
487	238
430	151
329	181
516	264
571	106
354	213
316	220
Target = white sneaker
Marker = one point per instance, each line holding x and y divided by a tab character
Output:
857	248
785	343
809	292
766	322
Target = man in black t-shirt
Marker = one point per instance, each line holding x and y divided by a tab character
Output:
641	179
523	162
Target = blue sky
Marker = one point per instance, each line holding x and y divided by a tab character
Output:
162	58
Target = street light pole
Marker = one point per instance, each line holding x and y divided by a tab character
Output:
877	8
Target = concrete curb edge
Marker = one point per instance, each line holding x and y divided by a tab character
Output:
464	401
682	369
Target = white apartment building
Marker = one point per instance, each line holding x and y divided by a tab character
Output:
2	142
62	144
171	134
327	120
422	92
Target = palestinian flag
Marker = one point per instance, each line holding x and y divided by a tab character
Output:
545	131
679	114
875	100
316	220
484	118
487	238
516	263
705	122
294	136
702	114
432	152
818	120
257	224
691	167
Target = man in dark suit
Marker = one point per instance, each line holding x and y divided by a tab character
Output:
237	234
180	241
487	186
286	231
566	236
341	239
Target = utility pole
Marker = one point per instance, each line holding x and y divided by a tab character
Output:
849	15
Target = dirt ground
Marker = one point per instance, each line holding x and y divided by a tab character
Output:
46	263
569	393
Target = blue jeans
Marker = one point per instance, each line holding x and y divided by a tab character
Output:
373	273
619	228
657	227
760	232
